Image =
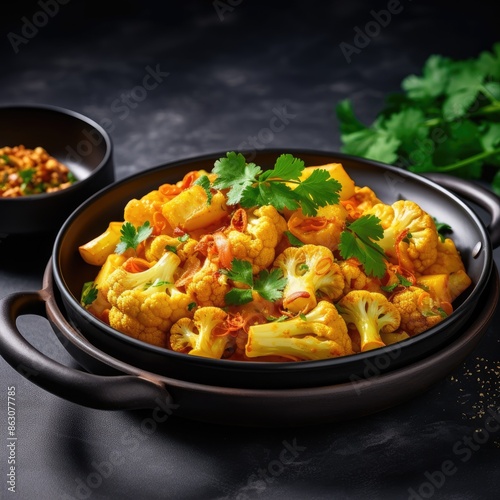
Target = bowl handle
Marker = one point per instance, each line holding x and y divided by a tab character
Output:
477	194
121	392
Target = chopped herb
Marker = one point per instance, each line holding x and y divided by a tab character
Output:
402	281
442	229
269	284
359	240
293	240
131	236
89	293
251	186
204	182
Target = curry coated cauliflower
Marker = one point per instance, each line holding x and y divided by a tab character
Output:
258	267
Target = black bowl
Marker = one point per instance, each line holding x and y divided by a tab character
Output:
75	140
390	183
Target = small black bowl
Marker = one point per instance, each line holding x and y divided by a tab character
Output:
73	139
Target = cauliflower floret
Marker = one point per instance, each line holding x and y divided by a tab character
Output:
309	270
320	334
322	229
419	311
363	199
355	278
156	247
145	304
254	235
370	313
410	235
208	286
202	335
448	259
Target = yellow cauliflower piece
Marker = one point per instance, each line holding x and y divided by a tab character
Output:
310	270
208	286
145	304
410	236
419	311
254	235
448	259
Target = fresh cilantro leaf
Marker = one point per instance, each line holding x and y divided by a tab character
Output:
489	62
286	167
250	186
359	240
442	228
89	293
234	173
433	81
171	248
270	285
348	121
241	271
238	296
183	238
131	237
318	190
402	281
191	306
408	126
293	240
204	182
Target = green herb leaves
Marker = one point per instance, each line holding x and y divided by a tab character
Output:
250	185
359	240
269	284
447	119
131	237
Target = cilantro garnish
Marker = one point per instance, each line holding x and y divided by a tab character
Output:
445	119
359	240
268	284
89	293
204	182
251	186
293	240
131	236
442	228
402	281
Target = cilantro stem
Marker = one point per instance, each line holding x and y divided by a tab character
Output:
489	109
470	159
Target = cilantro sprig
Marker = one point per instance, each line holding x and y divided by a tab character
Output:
358	240
89	293
268	284
445	119
249	185
132	236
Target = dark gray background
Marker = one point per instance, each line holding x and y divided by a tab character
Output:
229	71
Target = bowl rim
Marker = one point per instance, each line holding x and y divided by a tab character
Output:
362	357
73	114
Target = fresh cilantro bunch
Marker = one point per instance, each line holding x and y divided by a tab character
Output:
446	120
250	185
